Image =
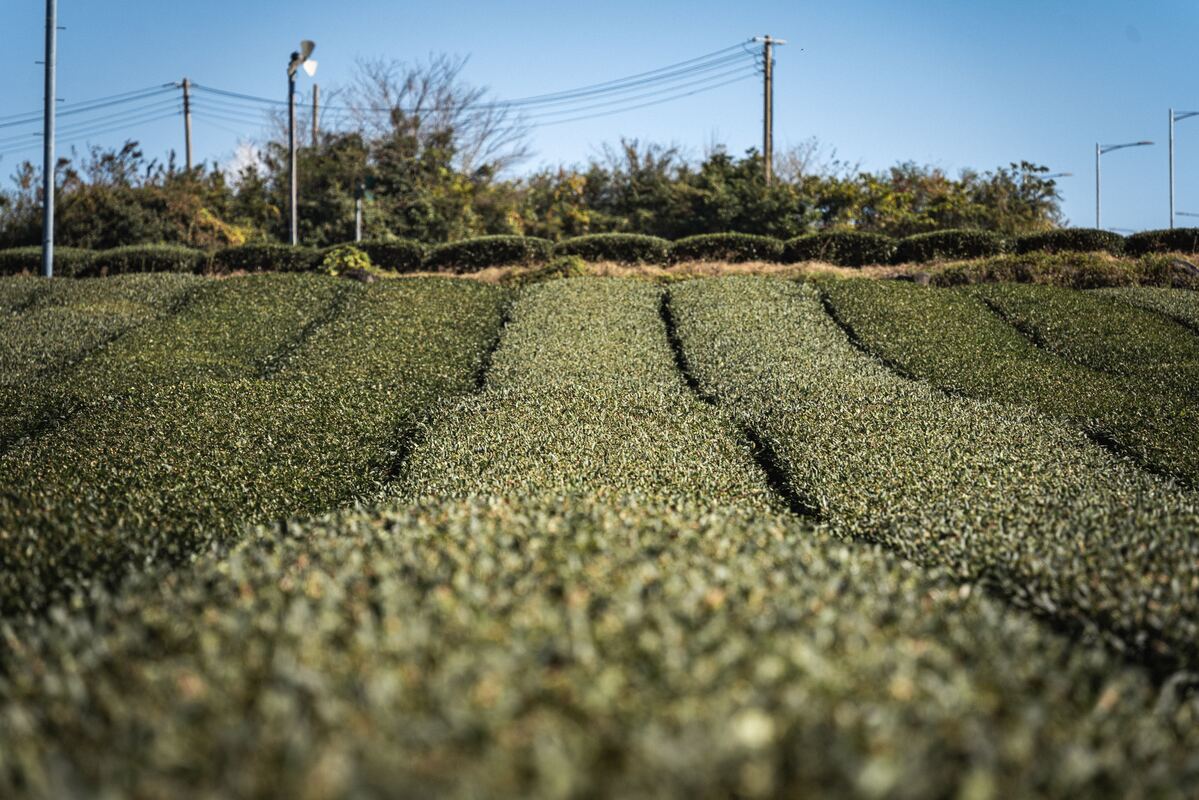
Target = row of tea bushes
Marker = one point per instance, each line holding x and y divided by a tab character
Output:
583	397
996	493
952	339
1100	332
845	248
1180	306
266	396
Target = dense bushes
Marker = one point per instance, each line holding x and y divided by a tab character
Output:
395	255
489	251
846	248
726	247
1074	270
69	262
140	258
266	257
1176	240
949	244
1070	240
626	248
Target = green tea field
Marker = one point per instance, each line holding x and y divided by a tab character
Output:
297	536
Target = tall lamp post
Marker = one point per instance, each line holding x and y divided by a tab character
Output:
298	59
1100	149
1175	116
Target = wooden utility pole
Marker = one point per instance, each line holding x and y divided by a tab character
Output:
768	103
316	111
187	123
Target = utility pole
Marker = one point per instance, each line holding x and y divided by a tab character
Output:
49	167
187	122
316	111
1098	152
293	233
768	103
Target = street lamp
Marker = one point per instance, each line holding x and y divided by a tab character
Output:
1100	149
298	59
1175	116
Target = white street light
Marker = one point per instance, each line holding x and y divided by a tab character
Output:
1175	116
299	59
1100	149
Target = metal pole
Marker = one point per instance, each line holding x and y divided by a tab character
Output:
293	229
358	219
1171	169
768	109
187	123
316	108
48	162
1097	223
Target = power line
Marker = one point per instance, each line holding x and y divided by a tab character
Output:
89	106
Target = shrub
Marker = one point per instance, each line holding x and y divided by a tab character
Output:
1073	270
469	255
1071	240
345	258
1177	240
395	255
68	261
626	248
147	258
949	244
265	257
561	267
727	247
846	248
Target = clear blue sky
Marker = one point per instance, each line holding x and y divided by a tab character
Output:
972	83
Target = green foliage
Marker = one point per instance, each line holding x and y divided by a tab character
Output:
1070	240
1101	333
941	245
1074	270
1177	240
558	268
995	493
394	255
470	255
625	248
345	258
952	339
69	262
265	257
147	258
264	396
726	247
1176	304
846	248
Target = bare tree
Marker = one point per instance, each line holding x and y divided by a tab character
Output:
424	99
811	157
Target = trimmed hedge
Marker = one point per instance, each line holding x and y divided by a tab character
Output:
1074	270
68	261
845	248
949	244
147	258
727	247
1178	240
395	255
1071	240
481	252
626	248
266	257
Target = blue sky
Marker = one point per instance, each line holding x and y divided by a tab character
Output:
955	84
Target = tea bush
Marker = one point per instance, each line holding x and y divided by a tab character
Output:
998	494
1176	304
1175	240
625	248
846	248
954	340
268	396
470	255
949	244
1101	333
1070	240
266	257
69	262
726	247
1075	270
145	258
395	255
